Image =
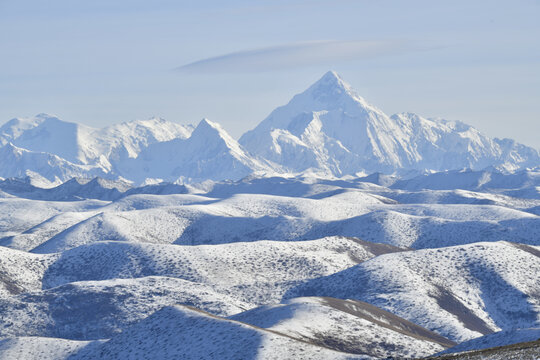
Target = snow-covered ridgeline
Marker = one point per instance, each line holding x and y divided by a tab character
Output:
327	130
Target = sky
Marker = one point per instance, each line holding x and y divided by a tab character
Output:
103	62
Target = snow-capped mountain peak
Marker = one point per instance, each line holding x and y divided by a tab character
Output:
211	137
331	84
354	136
328	130
331	91
209	153
207	128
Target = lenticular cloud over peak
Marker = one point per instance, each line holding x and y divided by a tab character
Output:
296	55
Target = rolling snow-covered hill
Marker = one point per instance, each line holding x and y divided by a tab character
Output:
328	322
390	267
311	210
182	332
460	292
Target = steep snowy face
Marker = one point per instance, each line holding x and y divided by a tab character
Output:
209	153
47	134
331	129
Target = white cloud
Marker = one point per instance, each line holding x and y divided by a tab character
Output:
294	55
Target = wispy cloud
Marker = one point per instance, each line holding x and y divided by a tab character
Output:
295	55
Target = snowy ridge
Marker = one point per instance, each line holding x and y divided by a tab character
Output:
328	130
81	144
181	332
328	322
208	154
18	162
271	262
59	150
92	310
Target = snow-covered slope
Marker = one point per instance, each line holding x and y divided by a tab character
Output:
128	139
90	310
241	212
520	351
130	281
332	130
257	272
40	348
182	332
22	215
47	134
346	325
460	292
211	221
20	163
501	338
21	271
80	144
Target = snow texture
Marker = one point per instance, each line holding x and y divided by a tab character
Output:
390	268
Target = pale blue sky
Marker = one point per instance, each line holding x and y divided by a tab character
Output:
101	62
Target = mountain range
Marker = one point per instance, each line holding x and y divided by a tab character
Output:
330	231
328	130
